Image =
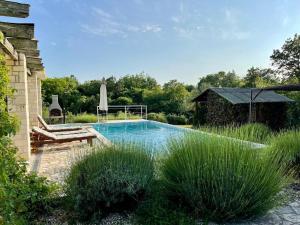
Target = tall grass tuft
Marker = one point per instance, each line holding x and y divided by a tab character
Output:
285	149
83	118
108	179
254	132
221	179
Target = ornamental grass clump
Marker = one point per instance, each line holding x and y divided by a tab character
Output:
285	149
254	132
221	179
108	179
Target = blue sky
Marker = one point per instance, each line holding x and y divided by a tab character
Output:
168	39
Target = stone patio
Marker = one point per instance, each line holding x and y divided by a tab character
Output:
54	161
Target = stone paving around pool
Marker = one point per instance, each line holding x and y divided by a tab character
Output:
286	215
54	161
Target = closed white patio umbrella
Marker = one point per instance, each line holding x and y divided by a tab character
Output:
103	107
103	96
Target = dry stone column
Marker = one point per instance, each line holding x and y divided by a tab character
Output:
18	104
33	98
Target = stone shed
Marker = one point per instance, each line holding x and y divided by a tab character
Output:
26	71
223	106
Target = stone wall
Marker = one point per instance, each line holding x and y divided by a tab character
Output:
33	99
18	104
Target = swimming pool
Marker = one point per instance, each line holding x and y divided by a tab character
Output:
153	135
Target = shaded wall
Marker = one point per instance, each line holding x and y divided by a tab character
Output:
217	111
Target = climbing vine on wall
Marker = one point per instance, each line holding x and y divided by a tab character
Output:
8	123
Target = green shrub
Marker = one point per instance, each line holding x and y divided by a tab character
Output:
122	101
254	132
160	117
109	179
84	118
285	148
158	209
177	119
221	179
23	196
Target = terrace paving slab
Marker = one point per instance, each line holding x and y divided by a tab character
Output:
288	214
53	162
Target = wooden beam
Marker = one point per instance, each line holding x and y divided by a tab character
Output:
23	43
29	52
33	60
35	67
7	47
18	30
14	9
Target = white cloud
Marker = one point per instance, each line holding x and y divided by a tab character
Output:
101	13
231	28
105	24
152	28
191	24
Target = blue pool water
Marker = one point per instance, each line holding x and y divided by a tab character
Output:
152	134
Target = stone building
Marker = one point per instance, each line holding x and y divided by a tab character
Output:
224	106
26	71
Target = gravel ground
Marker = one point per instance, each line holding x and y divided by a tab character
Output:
287	214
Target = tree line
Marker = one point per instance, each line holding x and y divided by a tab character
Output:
175	97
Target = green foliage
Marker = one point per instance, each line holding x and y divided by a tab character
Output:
1	36
158	209
8	123
23	196
254	132
66	89
285	148
287	59
160	117
92	118
259	78
177	119
109	179
176	96
293	113
122	101
221	179
83	118
220	79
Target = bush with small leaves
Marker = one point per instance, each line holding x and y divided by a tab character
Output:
108	179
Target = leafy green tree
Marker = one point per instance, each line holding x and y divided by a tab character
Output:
258	78
155	100
67	90
122	101
132	86
176	96
8	123
287	59
220	79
